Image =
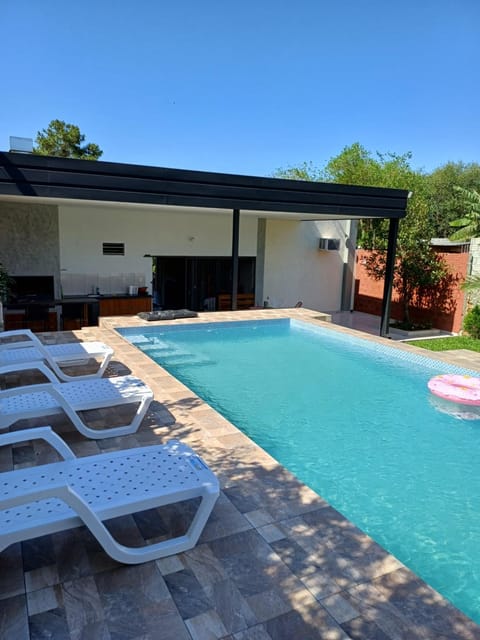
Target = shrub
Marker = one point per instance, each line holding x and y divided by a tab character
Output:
471	322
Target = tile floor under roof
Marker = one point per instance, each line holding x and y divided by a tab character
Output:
275	561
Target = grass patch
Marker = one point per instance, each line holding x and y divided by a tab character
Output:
445	344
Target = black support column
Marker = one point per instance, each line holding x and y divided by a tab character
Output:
235	242
388	282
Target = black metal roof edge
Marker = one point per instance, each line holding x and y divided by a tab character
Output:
343	209
35	181
18	161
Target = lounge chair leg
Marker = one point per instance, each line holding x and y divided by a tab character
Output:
99	434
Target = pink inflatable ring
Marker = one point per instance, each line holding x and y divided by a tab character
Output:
456	388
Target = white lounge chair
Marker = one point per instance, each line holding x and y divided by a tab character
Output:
37	400
54	497
30	349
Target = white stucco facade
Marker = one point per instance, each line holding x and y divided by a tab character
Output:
170	232
295	268
66	241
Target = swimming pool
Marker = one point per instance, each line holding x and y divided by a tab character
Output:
353	419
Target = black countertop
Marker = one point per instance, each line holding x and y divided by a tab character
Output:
78	299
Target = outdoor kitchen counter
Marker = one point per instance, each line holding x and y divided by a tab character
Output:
123	305
106	305
72	312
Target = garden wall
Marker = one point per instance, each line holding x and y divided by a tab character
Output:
369	293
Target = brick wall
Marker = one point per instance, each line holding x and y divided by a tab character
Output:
369	293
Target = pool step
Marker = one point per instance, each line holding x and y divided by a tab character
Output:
139	339
165	349
155	343
176	358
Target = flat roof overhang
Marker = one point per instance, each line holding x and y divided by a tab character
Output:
32	178
49	179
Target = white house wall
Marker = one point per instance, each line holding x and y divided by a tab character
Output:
295	269
177	232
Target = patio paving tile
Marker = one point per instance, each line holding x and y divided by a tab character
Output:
267	605
49	624
82	603
361	629
71	555
254	633
203	563
188	594
14	618
339	608
206	626
44	576
231	607
38	553
11	573
270	533
170	564
98	630
43	600
317	626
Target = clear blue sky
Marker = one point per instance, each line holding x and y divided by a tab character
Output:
246	86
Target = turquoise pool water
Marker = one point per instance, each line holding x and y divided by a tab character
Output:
353	420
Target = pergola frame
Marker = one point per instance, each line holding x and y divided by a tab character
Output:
48	179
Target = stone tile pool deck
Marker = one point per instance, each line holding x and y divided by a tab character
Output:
275	561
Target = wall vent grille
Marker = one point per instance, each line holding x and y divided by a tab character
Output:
329	244
113	248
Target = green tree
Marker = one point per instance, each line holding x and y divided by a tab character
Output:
306	171
468	225
358	166
471	322
471	286
418	268
65	141
419	275
355	165
446	203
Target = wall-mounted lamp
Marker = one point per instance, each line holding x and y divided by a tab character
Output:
147	255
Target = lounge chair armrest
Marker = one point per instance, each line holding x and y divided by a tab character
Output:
29	366
68	495
47	387
60	490
32	339
39	433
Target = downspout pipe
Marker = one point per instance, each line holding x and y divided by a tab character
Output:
388	281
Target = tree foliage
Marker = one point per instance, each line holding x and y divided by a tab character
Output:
418	268
471	322
472	283
305	171
445	201
468	225
420	276
65	141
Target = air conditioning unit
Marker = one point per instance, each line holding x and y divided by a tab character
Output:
329	244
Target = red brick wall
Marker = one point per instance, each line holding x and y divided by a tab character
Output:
369	292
